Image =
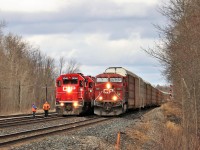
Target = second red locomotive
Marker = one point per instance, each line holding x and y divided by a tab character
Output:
117	90
74	94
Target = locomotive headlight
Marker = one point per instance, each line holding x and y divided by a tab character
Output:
114	98
61	104
69	89
108	86
75	104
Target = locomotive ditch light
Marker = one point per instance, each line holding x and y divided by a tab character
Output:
114	98
75	104
100	98
61	104
108	86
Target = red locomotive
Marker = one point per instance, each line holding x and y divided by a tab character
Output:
117	90
74	94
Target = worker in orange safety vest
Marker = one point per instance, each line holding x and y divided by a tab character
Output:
34	108
46	108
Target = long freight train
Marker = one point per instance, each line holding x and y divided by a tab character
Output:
74	94
117	90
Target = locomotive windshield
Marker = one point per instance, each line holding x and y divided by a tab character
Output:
70	81
102	79
115	79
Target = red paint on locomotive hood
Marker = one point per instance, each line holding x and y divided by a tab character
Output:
73	87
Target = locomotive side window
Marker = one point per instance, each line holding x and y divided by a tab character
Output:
58	83
86	82
102	79
81	83
115	79
90	84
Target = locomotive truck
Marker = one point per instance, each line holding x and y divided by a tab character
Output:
117	90
74	94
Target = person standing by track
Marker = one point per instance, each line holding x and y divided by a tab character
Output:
46	108
34	108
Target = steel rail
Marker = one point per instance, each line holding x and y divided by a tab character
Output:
24	122
25	116
7	140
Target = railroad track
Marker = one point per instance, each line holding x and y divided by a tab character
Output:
11	123
10	139
24	116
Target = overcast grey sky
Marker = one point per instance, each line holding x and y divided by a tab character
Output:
97	33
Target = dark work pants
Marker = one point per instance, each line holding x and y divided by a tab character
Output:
33	114
46	113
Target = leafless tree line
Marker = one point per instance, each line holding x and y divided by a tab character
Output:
26	75
70	66
180	55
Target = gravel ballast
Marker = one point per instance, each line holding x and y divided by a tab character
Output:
101	136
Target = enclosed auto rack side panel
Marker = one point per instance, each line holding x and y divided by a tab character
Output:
153	96
158	97
148	95
137	91
131	91
143	95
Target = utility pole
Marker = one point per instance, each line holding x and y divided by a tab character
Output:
19	97
0	98
46	92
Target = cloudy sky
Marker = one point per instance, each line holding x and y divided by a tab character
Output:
97	33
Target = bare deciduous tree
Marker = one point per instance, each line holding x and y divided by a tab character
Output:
72	66
180	55
61	64
24	75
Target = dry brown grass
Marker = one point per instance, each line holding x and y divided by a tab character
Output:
139	137
138	134
171	108
173	128
146	126
162	128
158	130
140	131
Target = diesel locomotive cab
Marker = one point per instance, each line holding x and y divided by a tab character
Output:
109	94
72	94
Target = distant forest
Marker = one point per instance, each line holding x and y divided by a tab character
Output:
26	75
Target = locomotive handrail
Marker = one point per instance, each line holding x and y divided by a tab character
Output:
98	95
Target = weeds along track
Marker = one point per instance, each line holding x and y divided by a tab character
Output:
10	139
10	122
